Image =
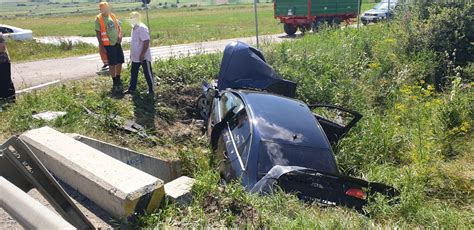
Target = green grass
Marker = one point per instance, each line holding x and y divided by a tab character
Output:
415	134
168	26
21	51
66	7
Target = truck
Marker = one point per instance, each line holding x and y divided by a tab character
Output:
312	14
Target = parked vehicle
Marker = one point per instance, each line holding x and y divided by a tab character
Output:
307	14
266	138
381	11
15	33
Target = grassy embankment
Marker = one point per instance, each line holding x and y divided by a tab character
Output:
168	27
412	81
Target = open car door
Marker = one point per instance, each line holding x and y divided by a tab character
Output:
335	121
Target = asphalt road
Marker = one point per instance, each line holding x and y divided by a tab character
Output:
42	73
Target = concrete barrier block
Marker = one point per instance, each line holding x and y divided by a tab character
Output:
166	170
179	190
116	187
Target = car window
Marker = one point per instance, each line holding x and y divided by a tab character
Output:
241	133
384	6
5	30
229	101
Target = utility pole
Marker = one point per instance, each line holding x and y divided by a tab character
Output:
358	14
388	11
146	2
256	22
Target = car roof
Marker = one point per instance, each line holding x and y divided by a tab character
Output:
284	120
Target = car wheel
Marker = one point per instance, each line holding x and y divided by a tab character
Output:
203	107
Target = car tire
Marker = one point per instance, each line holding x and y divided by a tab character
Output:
290	29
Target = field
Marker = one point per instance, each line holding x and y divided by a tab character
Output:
412	80
66	7
168	26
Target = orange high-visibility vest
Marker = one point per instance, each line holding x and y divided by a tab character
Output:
103	29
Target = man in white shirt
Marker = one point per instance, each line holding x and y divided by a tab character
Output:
140	54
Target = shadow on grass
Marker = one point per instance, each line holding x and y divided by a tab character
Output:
144	110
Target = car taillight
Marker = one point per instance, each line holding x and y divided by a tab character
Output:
356	192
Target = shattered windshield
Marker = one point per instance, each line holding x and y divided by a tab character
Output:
272	153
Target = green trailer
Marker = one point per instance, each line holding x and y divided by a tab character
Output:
310	14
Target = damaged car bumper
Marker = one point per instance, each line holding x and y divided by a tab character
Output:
328	190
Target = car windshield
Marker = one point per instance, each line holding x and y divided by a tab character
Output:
383	6
272	154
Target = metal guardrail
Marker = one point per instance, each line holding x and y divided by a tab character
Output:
30	213
19	165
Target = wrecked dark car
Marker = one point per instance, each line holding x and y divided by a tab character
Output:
263	136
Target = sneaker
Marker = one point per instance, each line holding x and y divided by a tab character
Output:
129	91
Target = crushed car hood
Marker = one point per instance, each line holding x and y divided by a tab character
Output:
244	67
313	186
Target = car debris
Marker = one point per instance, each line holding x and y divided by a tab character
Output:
265	138
49	115
121	123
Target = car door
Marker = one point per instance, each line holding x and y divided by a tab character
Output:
335	121
234	139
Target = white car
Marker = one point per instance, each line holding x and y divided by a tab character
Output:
15	33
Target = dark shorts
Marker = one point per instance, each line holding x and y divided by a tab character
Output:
115	54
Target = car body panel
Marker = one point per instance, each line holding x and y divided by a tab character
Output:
15	33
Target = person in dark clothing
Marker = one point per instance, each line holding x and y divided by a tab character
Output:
7	89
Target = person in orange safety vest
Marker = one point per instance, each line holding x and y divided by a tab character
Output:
109	35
